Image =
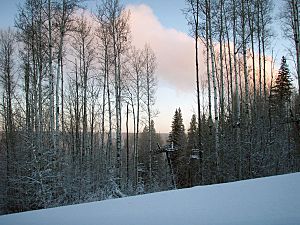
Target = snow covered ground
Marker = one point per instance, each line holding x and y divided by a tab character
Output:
265	201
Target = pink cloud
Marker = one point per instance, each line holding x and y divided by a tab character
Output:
174	50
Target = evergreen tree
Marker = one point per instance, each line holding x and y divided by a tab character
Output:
179	157
281	94
177	135
192	136
282	90
192	156
158	167
280	106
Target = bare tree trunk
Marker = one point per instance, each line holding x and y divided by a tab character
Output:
117	103
217	145
296	32
40	69
84	119
51	76
149	118
109	140
62	102
221	99
58	74
119	122
244	43
92	126
251	25
150	83
27	86
207	64
230	65
77	115
105	82
194	13
137	113
263	38
221	64
238	112
135	150
259	45
196	18
127	145
6	76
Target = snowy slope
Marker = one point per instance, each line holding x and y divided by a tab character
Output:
264	201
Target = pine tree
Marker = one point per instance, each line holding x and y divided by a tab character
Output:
178	157
192	137
177	135
282	90
158	179
280	106
280	95
193	156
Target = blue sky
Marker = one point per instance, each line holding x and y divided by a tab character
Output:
168	11
8	9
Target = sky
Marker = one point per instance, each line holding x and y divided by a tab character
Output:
162	24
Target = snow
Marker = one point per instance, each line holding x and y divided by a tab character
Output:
264	201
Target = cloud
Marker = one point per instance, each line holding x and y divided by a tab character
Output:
174	50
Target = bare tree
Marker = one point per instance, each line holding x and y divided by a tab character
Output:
150	66
7	82
63	20
192	14
291	27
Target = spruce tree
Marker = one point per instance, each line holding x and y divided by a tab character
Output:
192	156
280	118
192	137
177	134
178	157
282	90
158	164
281	94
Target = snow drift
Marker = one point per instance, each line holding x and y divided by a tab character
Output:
264	201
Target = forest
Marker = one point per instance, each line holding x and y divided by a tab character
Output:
77	103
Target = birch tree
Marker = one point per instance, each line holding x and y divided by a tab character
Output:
192	15
7	83
150	66
119	31
291	28
63	19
